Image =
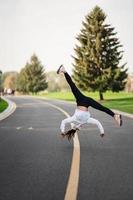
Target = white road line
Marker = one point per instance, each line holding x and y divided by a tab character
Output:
72	186
30	128
18	128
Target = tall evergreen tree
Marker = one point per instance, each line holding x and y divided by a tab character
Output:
36	78
32	77
98	54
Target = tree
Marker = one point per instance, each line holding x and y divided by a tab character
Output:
22	81
32	77
98	54
9	80
129	84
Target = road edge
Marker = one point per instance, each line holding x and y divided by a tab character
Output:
9	110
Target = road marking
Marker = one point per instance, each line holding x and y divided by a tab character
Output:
18	128
30	128
72	186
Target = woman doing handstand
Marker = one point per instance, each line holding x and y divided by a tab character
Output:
82	115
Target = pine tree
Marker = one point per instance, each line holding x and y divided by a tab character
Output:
32	77
36	78
98	54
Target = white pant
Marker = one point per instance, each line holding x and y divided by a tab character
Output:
79	118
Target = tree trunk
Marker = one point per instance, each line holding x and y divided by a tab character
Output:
101	96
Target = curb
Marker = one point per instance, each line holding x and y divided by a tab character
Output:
10	109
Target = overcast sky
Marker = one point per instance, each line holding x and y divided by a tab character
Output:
49	27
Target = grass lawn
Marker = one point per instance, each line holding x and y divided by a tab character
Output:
3	105
122	104
120	101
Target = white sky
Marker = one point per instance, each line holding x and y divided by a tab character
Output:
49	28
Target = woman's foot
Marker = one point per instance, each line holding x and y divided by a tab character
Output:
118	119
61	69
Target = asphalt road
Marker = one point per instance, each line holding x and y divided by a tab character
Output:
35	162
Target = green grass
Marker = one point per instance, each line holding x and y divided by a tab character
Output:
59	95
3	105
120	101
122	104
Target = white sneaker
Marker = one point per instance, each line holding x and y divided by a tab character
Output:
118	119
60	69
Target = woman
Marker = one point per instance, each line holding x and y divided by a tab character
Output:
82	115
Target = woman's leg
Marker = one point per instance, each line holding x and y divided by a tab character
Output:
76	92
100	107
